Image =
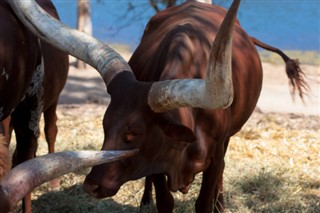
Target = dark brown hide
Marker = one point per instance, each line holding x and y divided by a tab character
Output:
19	59
19	56
183	142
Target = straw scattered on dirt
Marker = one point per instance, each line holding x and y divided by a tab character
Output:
272	165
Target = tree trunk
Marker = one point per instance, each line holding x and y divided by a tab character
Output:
205	1
84	24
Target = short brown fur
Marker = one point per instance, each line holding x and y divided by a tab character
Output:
176	145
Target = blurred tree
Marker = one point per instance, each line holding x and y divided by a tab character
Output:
84	24
205	1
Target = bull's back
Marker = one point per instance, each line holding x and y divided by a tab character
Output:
156	49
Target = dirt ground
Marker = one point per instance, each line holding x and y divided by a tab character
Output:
87	87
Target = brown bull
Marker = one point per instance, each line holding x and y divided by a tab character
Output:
183	142
186	58
26	89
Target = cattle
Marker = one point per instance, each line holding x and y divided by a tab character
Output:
27	89
192	83
176	45
21	62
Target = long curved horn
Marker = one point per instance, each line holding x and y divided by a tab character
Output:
99	55
23	178
216	91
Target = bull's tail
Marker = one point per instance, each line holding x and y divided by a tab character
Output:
294	72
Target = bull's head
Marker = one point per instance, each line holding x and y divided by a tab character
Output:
136	116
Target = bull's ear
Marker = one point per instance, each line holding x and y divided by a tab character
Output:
176	131
179	132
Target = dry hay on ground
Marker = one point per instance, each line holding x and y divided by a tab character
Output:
272	165
5	158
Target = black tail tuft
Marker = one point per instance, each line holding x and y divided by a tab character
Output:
296	78
294	72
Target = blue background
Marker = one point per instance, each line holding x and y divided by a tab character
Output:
286	24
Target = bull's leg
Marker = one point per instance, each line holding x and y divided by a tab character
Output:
50	127
7	130
209	191
26	135
147	194
5	164
210	187
25	121
218	201
164	199
219	204
51	131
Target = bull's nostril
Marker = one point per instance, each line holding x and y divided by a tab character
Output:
91	189
95	190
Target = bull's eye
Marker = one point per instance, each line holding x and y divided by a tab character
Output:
131	137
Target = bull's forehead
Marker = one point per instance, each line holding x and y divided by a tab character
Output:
126	115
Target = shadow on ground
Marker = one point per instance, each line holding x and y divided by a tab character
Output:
266	192
261	192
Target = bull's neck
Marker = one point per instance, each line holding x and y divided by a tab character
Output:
180	161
